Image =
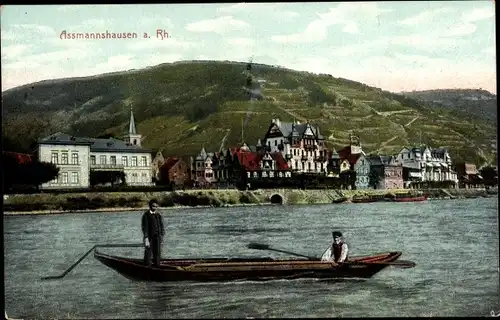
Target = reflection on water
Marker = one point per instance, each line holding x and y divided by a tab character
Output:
454	243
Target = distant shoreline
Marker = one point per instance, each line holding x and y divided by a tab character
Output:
112	210
53	204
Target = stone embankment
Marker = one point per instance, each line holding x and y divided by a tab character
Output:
45	203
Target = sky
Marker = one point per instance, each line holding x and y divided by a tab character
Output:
396	46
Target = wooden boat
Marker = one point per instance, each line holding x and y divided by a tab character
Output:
216	269
339	200
363	200
410	199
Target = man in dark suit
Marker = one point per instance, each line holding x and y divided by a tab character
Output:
153	231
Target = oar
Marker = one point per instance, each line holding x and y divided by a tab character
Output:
401	263
125	245
261	246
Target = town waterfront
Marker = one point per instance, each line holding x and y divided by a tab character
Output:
454	243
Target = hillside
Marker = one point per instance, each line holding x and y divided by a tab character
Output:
183	106
478	103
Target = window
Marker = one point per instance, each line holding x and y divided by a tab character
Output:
113	160
134	161
74	158
145	177
92	159
125	161
102	160
64	158
55	158
144	161
64	177
134	177
74	177
275	142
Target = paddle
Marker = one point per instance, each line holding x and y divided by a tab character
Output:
125	245
260	246
401	263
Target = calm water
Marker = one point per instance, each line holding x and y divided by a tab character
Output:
453	242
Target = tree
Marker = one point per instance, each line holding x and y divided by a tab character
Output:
11	170
36	173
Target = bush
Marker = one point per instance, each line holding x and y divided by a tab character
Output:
122	202
135	202
244	198
166	201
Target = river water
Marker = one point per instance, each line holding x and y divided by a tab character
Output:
453	242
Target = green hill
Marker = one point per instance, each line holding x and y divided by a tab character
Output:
181	106
478	103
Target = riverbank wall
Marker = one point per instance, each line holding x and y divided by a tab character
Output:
129	201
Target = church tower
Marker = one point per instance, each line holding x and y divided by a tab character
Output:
132	137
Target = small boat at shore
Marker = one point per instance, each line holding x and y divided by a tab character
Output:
339	200
410	199
216	269
364	200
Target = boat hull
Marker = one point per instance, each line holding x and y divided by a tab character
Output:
260	269
411	199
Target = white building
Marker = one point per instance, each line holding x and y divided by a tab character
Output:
77	157
301	144
430	164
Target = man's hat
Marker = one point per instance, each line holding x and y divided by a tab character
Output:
336	234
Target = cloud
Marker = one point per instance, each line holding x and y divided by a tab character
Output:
351	28
478	14
69	7
219	25
154	43
423	17
387	44
33	29
277	10
15	50
52	57
345	14
490	50
156	59
459	29
241	41
316	31
115	63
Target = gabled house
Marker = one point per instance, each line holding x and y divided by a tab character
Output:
434	164
362	169
385	172
156	163
174	171
202	172
333	167
301	144
468	175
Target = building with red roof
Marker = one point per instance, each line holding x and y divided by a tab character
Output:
174	170
21	158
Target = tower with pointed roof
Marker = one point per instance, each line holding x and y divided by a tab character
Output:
132	137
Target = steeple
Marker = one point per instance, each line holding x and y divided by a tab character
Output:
132	137
131	127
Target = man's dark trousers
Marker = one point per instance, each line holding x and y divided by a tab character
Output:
153	251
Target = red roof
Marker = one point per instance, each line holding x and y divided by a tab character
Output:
345	154
20	157
169	163
251	160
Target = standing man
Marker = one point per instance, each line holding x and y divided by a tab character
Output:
153	231
337	252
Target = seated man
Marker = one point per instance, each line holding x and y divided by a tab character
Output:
337	252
